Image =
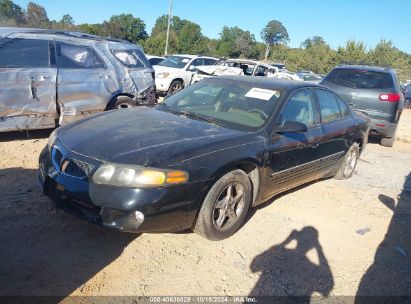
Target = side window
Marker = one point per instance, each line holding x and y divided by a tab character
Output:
209	61
71	56
24	53
343	107
195	63
329	108
299	108
261	71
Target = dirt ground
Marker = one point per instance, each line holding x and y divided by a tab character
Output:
328	238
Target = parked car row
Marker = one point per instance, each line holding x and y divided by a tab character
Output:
229	135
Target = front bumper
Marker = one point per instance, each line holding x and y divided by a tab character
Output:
163	84
148	97
130	210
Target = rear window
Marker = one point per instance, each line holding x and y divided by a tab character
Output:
360	79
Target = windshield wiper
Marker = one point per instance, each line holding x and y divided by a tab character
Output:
200	117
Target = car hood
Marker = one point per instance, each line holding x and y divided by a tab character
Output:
145	136
160	69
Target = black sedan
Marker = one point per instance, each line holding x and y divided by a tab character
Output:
203	157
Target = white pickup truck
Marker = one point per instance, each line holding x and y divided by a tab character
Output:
175	72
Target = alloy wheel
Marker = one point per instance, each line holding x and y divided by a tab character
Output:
229	206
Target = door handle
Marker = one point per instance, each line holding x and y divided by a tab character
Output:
315	145
44	77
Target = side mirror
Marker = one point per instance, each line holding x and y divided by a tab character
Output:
291	126
192	68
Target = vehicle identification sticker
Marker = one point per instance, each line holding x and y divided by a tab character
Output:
262	94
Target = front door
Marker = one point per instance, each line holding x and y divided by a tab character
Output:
27	84
293	157
85	83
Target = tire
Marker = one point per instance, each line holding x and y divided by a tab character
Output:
387	141
225	207
407	103
175	86
349	162
124	102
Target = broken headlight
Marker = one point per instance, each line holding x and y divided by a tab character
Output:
137	177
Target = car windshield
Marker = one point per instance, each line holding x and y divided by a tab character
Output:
232	104
311	77
360	79
178	62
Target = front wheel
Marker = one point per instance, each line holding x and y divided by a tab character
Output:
349	162
225	206
175	86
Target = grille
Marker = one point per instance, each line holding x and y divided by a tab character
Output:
70	166
76	168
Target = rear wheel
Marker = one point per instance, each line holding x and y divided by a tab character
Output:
225	206
175	86
387	142
124	102
408	103
349	163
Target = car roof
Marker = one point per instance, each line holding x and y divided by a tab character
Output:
7	31
276	83
193	56
370	68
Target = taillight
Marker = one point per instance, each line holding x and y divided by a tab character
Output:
390	97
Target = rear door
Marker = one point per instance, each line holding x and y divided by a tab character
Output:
27	83
362	89
338	127
84	84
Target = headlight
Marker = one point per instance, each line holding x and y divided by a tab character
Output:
51	140
162	75
137	177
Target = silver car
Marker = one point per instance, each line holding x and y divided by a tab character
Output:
50	78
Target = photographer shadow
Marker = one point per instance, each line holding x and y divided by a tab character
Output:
289	272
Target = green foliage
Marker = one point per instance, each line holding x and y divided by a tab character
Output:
127	27
352	52
186	37
10	13
275	33
235	42
36	15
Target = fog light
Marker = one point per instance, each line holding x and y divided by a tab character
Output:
139	217
124	220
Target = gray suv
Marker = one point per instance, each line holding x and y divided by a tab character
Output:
50	78
375	91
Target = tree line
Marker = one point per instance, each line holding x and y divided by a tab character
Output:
233	42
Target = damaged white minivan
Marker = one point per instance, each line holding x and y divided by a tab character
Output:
50	78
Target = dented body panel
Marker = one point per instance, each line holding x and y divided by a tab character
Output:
79	76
